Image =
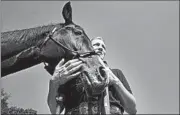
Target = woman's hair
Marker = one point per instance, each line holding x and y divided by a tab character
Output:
99	38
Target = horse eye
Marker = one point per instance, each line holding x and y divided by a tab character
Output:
78	32
68	28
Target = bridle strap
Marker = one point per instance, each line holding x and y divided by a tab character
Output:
75	53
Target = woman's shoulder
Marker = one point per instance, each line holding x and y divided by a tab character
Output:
116	71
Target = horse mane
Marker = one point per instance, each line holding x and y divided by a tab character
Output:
25	34
25	38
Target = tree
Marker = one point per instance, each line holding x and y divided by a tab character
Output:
5	109
4	103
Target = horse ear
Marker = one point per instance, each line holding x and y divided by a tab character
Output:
67	13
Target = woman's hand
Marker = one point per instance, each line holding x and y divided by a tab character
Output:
110	76
67	71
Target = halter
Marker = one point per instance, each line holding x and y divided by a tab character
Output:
75	53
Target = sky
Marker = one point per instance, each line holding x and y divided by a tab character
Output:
142	40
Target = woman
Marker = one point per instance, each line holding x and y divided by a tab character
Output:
72	96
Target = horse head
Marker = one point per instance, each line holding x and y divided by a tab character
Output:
70	42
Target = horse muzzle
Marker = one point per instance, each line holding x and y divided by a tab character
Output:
95	84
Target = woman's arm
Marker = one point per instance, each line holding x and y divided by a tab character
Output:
62	74
125	97
55	105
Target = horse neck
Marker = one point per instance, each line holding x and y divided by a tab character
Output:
14	42
20	48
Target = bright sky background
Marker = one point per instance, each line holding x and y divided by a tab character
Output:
142	40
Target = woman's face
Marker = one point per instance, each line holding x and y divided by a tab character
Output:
99	47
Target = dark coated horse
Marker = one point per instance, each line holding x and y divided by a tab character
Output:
21	49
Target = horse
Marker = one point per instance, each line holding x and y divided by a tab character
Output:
21	49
